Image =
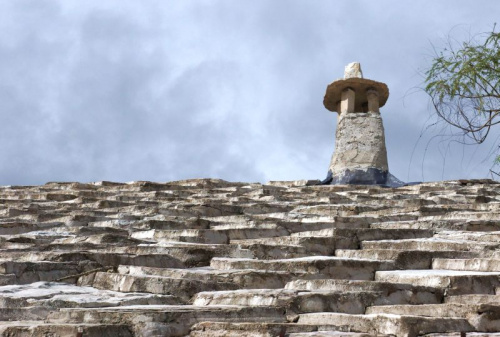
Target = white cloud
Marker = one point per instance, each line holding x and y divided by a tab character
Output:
162	90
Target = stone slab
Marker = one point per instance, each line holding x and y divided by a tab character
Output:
486	265
398	325
334	267
454	282
389	293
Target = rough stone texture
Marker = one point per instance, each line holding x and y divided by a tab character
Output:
208	257
353	69
356	149
360	155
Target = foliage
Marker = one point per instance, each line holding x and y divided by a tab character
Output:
464	85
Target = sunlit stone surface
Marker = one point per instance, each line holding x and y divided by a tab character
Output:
213	258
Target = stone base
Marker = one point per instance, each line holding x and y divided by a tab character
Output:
368	176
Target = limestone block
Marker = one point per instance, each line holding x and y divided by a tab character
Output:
353	69
329	266
330	334
388	293
46	329
482	317
397	325
243	278
359	147
455	282
489	265
181	288
241	329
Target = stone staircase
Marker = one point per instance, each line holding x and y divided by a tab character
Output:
208	257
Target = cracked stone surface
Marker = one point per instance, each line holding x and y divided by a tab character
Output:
360	143
207	257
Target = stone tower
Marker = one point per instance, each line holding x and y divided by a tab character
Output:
360	155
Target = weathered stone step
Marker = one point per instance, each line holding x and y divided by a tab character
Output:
469	334
36	238
398	325
169	224
80	218
493	237
166	320
183	288
56	295
451	209
6	279
353	302
33	313
404	259
337	221
455	282
238	329
206	236
364	234
322	333
289	226
173	256
35	328
390	293
468	299
108	239
482	225
244	278
264	208
334	267
446	224
253	297
488	265
93	222
276	251
429	310
210	236
338	209
483	317
181	256
430	244
27	272
168	255
400	215
418	224
301	226
463	215
148	260
19	227
253	233
319	245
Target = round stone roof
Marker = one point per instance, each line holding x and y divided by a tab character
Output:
360	86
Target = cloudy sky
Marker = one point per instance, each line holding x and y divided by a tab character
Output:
166	90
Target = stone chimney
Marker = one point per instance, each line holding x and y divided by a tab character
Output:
360	155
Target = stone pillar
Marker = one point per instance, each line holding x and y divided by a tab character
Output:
360	155
373	104
347	101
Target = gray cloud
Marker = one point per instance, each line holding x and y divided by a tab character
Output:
164	90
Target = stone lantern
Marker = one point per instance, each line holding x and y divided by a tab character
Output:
360	155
